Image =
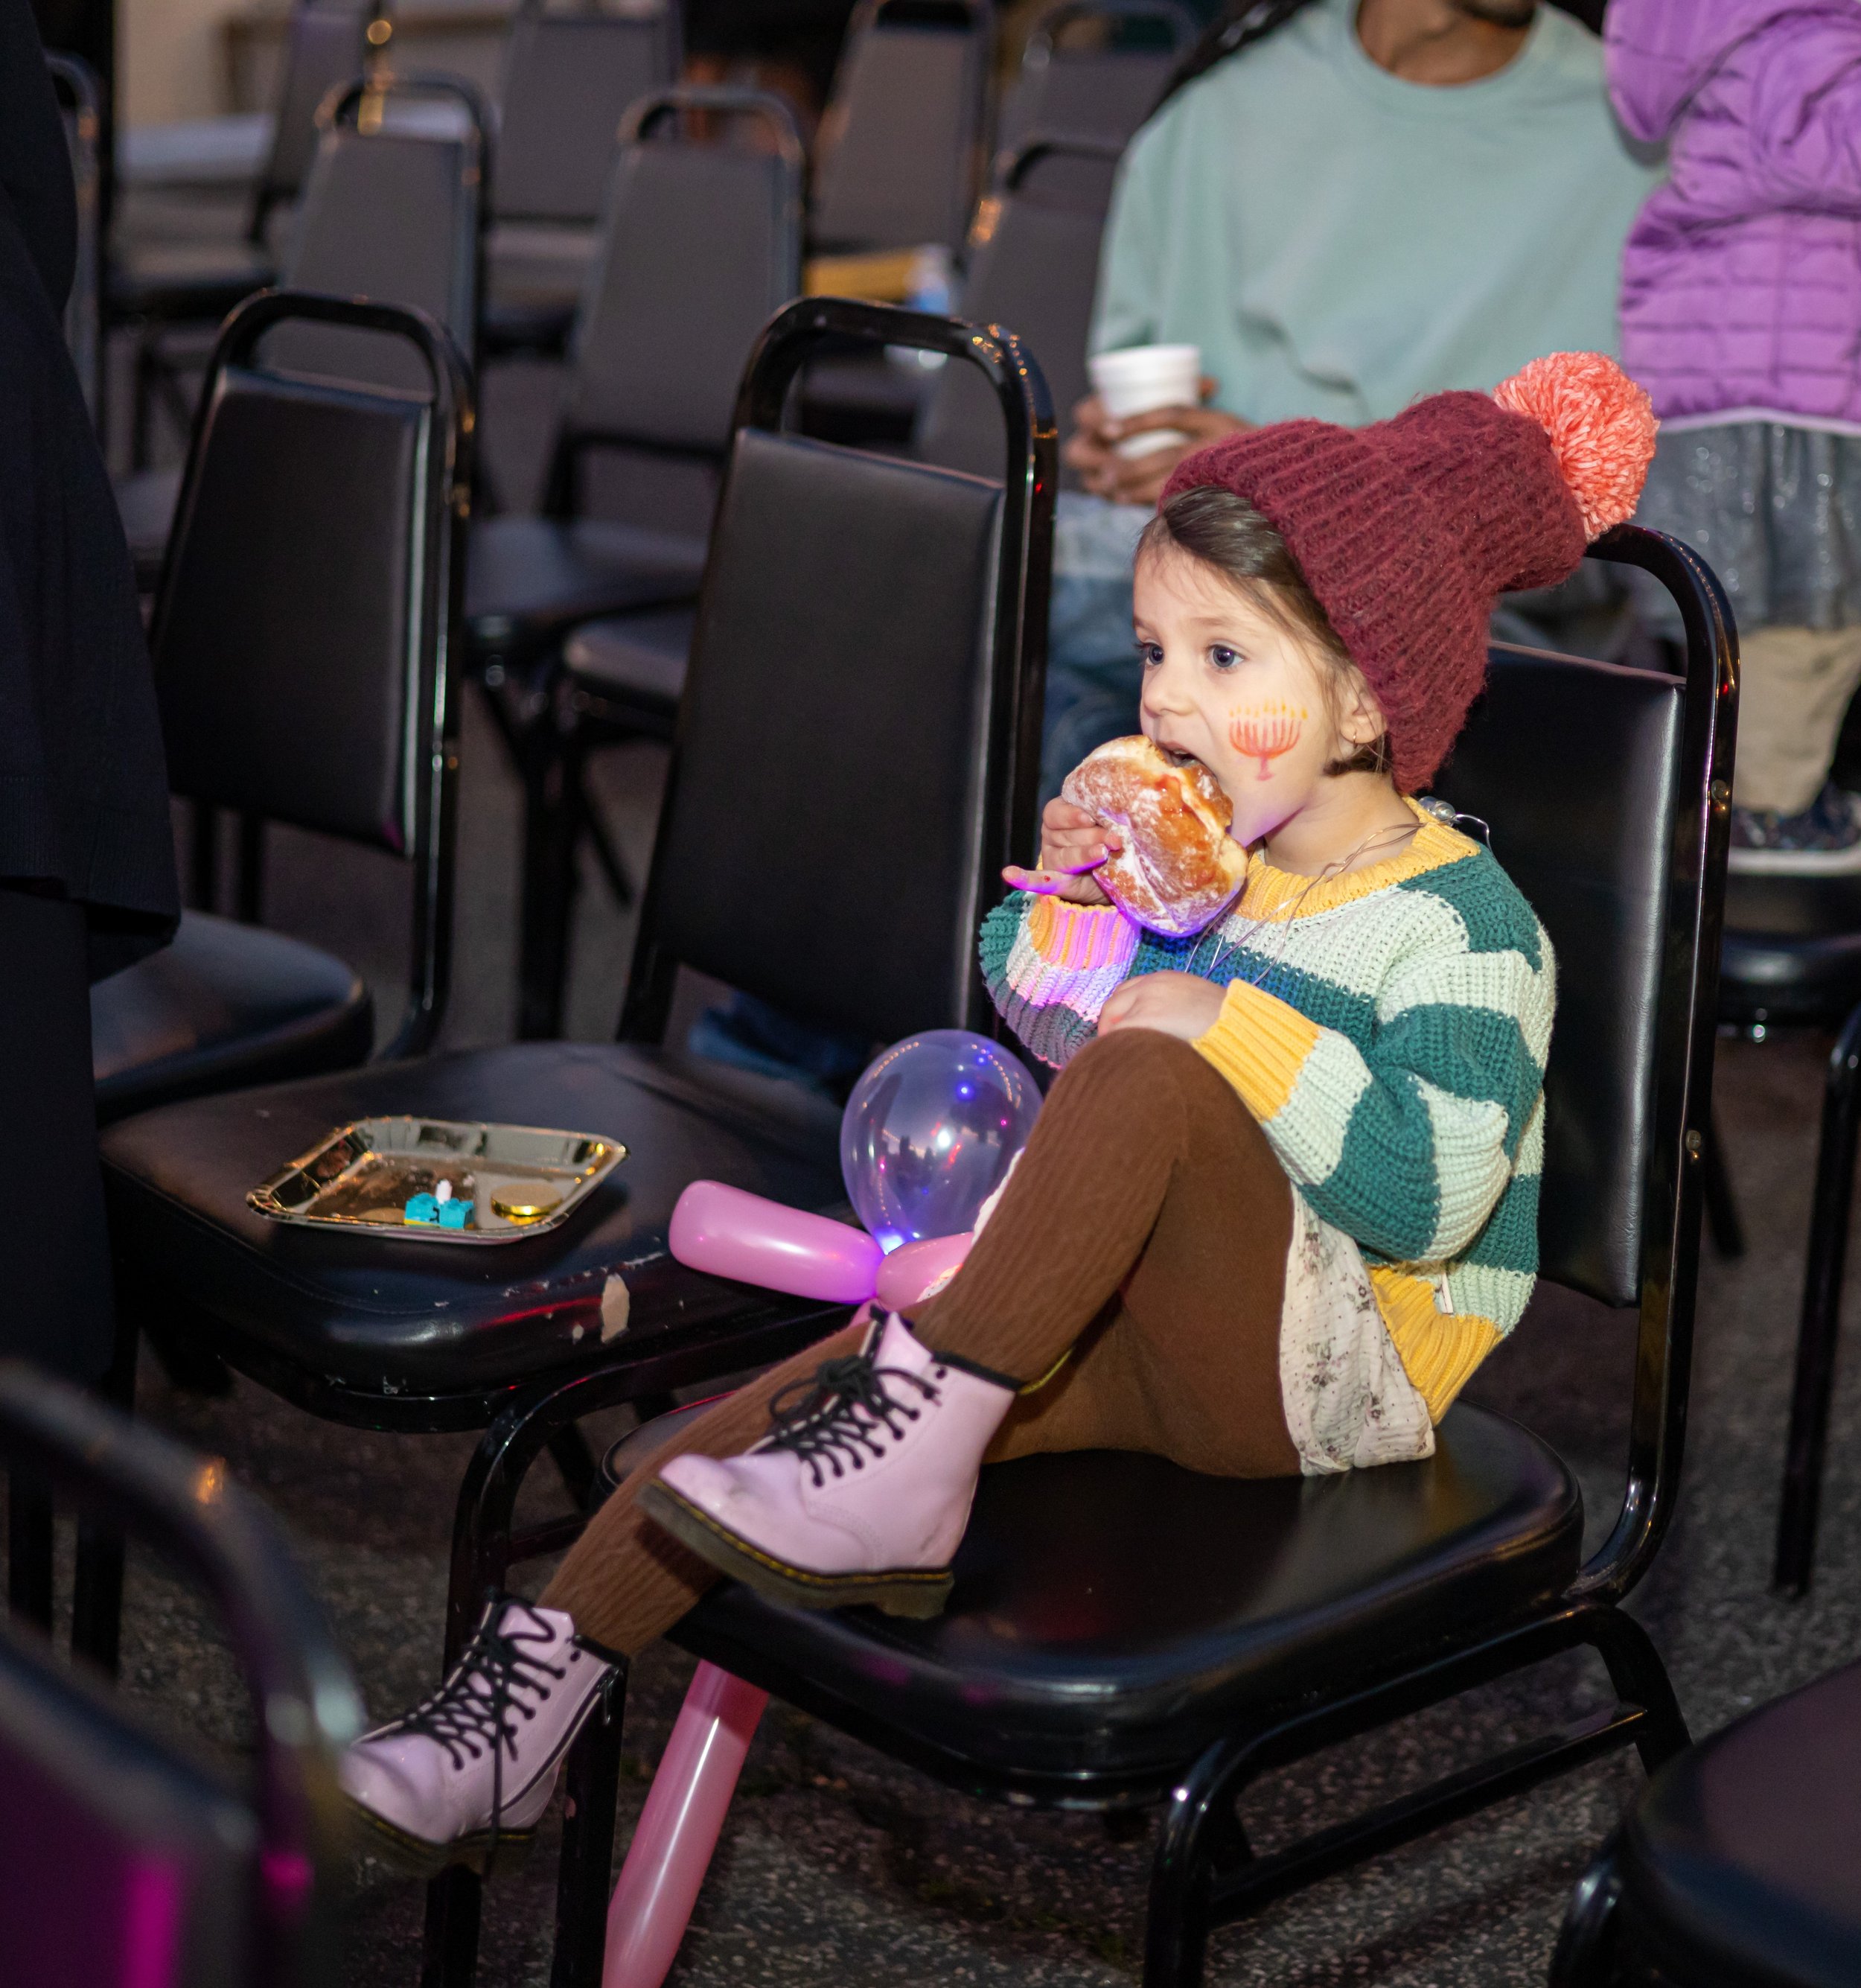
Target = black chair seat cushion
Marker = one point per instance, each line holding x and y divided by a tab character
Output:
1742	1863
639	658
380	1314
1793	949
1112	1613
224	1007
185	281
529	581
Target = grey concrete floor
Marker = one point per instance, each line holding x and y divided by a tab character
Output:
836	1867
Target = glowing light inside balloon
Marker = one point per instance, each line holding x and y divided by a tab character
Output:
930	1132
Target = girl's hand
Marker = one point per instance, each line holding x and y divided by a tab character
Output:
1071	845
1179	1004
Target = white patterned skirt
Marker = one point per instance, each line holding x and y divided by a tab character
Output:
1348	1401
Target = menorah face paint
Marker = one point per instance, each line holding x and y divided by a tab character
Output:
1264	733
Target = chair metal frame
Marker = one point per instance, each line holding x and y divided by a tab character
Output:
123	1479
157	372
1040	51
1204	1873
435	629
529	11
365	97
868	17
535	712
1818	1331
544	1416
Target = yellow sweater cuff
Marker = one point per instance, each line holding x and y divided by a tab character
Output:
1439	1351
1259	1043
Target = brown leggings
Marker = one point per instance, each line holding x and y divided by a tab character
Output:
1144	1233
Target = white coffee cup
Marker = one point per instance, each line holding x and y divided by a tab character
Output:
1143	377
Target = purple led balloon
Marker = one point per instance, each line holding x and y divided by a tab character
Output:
930	1132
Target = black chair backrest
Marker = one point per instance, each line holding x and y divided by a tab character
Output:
391	217
81	97
664	331
1105	89
1033	266
125	1864
326	42
899	155
568	79
1605	791
306	629
865	688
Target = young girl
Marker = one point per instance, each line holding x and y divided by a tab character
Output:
1282	1199
1741	312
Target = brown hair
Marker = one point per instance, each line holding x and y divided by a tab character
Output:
1227	533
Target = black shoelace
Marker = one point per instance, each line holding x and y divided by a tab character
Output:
836	1420
478	1707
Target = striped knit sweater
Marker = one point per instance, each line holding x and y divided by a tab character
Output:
1388	1028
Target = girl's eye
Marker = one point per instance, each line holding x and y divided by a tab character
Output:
1150	654
1224	657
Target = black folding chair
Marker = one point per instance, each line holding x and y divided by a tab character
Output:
568	77
1125	1634
900	147
1033	265
285	698
660	348
1094	69
1033	261
126	1863
872	633
1739	1866
81	97
1793	960
159	287
391	216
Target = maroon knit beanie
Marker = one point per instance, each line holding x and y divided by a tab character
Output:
1409	529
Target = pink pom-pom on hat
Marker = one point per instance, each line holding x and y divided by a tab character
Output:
1601	429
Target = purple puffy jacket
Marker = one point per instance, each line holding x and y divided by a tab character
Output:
1742	278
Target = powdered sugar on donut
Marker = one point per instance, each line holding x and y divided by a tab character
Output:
1180	869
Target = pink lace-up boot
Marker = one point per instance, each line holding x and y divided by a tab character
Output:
469	1773
861	1492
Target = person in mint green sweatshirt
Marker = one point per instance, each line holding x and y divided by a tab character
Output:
1281	1199
1345	204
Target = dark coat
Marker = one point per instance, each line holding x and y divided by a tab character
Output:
83	784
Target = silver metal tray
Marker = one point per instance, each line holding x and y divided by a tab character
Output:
437	1180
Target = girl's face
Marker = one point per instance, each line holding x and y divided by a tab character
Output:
1229	685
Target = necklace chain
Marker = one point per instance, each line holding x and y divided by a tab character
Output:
1338	868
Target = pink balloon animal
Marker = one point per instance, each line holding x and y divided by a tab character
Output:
732	1234
729	1233
685	1807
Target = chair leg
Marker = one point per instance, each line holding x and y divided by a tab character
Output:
575	1461
449	1957
1722	1218
1820	1325
552	780
1640	1678
1585	1946
607	852
96	1601
591	1793
28	1547
1182	1870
